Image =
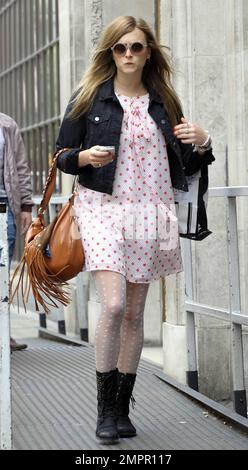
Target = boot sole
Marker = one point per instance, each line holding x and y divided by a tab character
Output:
126	434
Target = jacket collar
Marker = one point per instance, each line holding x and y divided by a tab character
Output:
106	92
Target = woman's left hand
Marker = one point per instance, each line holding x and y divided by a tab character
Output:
190	133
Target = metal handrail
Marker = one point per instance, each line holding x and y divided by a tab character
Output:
232	315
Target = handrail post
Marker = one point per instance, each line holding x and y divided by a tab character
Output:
82	301
239	393
5	378
192	372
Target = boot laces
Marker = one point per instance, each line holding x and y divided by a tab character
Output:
133	401
106	398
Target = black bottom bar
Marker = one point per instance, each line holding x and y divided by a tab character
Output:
112	458
84	334
61	327
43	323
192	379
239	401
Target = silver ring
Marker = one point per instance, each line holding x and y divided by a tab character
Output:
99	164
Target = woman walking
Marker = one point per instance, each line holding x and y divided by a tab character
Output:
126	102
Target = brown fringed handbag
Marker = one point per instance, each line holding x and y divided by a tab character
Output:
52	255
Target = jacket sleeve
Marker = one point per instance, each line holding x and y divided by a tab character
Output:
71	134
23	171
194	161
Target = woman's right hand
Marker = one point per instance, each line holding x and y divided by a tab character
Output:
95	157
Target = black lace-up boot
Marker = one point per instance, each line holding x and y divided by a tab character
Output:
124	395
106	429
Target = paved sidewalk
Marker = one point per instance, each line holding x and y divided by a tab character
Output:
54	406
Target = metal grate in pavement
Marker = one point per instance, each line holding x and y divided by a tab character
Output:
54	406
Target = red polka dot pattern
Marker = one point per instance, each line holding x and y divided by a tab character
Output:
128	231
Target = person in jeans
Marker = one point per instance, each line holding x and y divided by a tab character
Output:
125	137
15	186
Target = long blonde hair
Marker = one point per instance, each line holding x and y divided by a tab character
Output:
157	72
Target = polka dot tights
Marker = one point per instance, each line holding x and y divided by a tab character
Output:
120	329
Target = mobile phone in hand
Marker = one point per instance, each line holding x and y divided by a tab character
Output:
107	148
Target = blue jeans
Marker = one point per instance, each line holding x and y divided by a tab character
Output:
11	230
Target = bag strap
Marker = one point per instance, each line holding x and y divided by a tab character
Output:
50	183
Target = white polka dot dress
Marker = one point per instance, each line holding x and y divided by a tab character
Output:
134	230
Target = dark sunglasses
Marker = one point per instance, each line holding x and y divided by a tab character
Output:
135	48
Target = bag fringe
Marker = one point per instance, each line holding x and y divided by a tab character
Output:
37	278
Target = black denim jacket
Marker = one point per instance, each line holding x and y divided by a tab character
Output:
101	125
